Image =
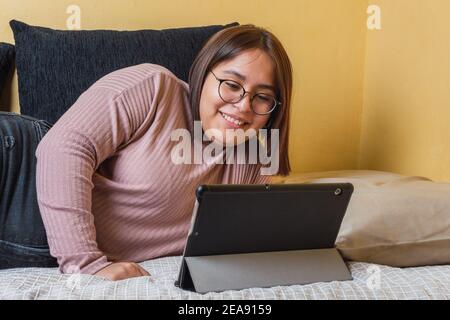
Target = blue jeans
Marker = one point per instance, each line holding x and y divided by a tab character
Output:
23	241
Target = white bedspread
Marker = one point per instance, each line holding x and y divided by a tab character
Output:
370	282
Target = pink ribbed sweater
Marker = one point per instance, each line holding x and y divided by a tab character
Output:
106	186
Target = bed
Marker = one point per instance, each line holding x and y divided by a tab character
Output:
370	281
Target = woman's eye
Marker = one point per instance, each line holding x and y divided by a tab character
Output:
232	86
263	98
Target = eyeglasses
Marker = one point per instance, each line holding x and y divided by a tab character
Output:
232	92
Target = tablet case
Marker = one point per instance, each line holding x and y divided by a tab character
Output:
245	236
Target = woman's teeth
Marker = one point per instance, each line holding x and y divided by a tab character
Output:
235	121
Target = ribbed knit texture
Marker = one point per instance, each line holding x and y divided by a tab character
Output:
106	185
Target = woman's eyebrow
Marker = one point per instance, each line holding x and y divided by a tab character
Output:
242	77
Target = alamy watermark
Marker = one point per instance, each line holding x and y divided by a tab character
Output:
374	19
73	22
227	153
74	280
373	282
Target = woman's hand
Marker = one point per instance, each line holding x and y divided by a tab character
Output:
122	270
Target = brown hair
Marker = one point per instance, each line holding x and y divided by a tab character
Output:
230	42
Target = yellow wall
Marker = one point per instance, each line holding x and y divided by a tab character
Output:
362	99
406	113
324	38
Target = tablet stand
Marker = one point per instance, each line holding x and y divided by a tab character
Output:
263	269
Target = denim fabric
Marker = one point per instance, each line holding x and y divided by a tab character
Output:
23	241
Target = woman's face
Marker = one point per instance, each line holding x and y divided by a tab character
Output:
254	70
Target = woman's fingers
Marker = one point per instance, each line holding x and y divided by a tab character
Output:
141	270
122	270
144	272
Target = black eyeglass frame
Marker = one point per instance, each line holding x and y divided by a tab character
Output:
276	104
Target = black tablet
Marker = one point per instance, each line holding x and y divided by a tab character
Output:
234	220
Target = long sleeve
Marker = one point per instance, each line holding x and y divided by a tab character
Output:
109	115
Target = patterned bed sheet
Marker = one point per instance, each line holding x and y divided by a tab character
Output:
370	281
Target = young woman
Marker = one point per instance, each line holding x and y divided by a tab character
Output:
109	191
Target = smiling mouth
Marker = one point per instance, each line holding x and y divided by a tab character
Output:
233	121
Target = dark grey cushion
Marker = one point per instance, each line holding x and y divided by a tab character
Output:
55	67
6	62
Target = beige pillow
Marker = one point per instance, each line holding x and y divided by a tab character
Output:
391	219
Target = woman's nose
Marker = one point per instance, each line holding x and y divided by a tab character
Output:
245	104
